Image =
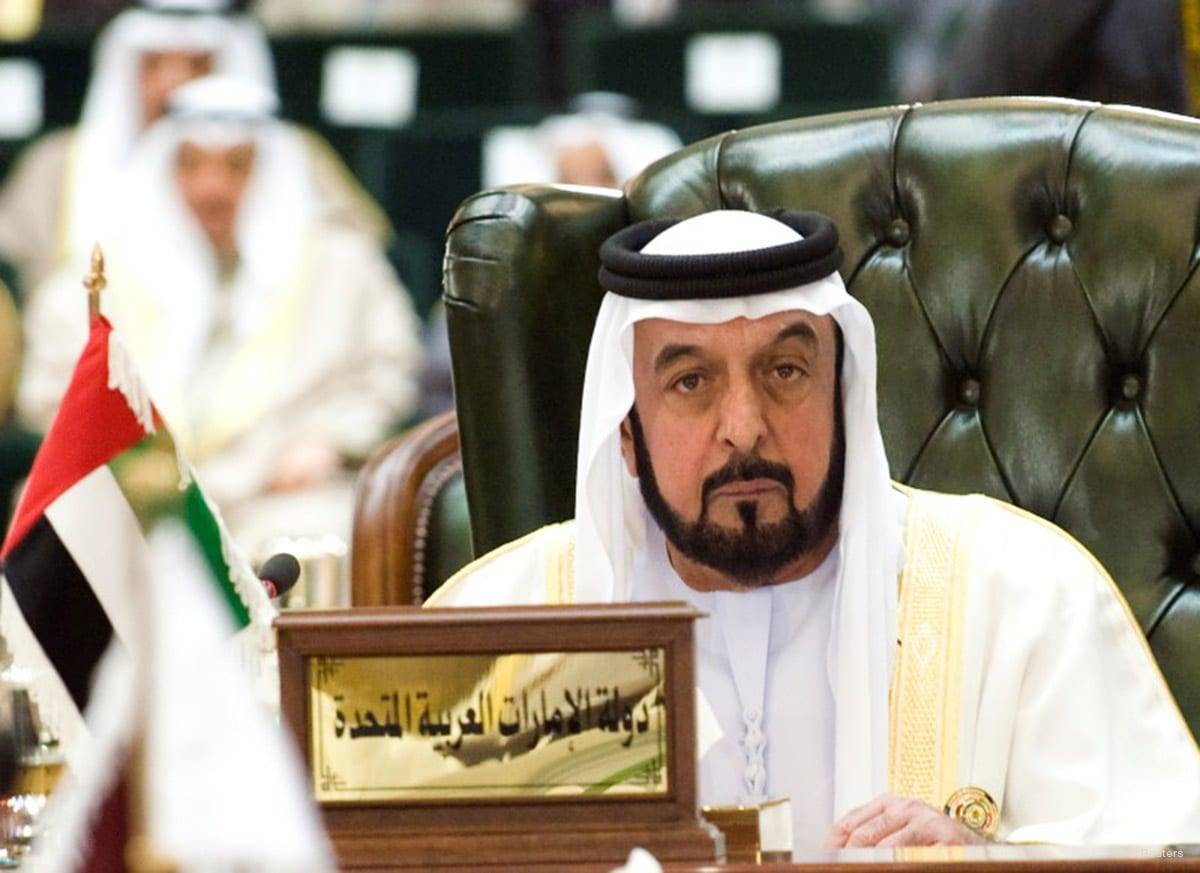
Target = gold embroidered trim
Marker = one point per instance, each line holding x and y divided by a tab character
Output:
261	361
1190	26
957	617
568	564
560	563
553	563
925	695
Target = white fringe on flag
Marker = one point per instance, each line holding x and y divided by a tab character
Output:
256	641
123	376
186	476
247	585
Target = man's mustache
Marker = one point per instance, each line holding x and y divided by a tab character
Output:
743	468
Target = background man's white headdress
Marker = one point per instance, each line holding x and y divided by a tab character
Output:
162	262
513	154
111	121
711	269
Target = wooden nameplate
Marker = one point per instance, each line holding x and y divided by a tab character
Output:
511	737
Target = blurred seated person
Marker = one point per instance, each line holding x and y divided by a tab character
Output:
923	33
598	143
279	346
1111	51
55	198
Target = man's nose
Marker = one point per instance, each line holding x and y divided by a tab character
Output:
742	426
175	74
212	185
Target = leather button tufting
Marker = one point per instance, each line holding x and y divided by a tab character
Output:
1131	387
1059	228
897	232
968	393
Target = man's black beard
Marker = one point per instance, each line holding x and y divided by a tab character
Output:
755	555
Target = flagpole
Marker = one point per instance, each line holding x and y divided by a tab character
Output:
95	281
140	854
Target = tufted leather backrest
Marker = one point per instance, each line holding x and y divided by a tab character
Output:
410	530
1030	267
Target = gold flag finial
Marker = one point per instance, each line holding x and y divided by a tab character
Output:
94	281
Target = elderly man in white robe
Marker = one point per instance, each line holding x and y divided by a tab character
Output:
58	194
280	347
908	667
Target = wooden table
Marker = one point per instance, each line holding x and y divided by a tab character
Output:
987	859
968	859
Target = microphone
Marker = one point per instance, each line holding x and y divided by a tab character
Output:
279	574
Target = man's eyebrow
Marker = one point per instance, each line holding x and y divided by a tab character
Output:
799	330
673	352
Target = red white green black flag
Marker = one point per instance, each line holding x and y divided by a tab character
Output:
81	534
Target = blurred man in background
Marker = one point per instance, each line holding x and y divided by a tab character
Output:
59	194
599	142
278	345
1111	51
923	33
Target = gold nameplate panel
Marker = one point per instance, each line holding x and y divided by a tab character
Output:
438	727
510	737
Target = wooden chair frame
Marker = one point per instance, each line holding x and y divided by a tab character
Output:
393	507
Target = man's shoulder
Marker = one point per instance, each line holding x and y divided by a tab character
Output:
1010	546
50	149
347	202
995	520
54	142
338	245
527	571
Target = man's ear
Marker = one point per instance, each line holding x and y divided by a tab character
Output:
627	447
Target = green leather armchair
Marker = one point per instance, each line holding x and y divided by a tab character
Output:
1030	266
411	530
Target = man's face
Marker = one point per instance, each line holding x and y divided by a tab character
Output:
585	164
212	180
736	441
160	73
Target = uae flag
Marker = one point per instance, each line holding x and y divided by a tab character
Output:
185	768
107	480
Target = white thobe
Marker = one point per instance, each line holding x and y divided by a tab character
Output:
1049	700
769	693
331	358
